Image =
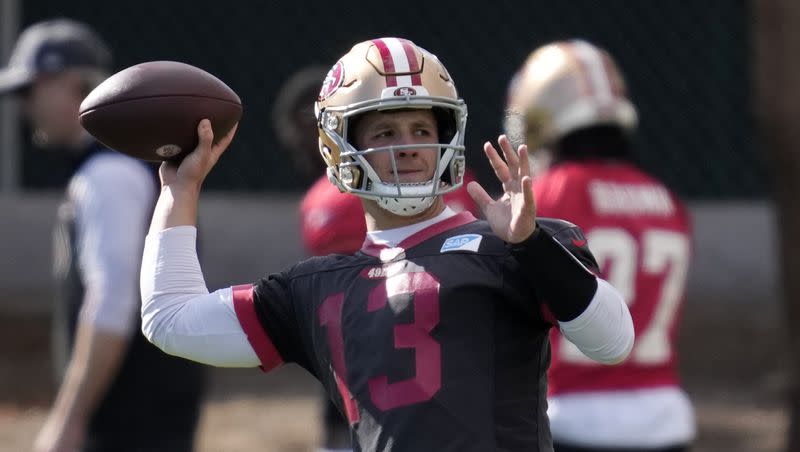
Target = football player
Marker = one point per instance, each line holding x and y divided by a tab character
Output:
569	103
332	221
434	335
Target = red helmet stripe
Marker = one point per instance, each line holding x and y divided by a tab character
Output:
614	77
598	78
586	84
413	63
388	62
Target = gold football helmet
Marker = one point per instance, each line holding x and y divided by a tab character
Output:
562	87
385	74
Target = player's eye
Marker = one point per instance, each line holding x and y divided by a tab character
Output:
383	134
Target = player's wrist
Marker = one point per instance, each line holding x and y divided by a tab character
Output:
534	235
183	191
177	206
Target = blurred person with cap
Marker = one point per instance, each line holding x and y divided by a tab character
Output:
117	392
569	103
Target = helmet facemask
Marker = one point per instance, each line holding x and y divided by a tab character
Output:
354	174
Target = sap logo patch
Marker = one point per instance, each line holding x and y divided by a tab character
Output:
466	242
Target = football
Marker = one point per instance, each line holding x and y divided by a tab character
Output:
151	110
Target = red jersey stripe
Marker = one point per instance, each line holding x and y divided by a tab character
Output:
256	335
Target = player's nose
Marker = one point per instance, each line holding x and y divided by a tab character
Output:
407	139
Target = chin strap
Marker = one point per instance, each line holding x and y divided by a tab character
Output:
406	207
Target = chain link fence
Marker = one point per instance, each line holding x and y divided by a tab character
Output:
688	65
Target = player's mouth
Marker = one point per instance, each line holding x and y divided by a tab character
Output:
412	175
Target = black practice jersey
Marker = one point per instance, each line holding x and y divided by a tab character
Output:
440	344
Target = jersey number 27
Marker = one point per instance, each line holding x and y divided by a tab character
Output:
659	252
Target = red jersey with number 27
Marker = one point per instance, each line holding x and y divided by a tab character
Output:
640	235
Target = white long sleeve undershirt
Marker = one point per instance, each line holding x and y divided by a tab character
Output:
183	319
178	313
604	330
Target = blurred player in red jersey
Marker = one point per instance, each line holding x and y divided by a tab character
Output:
569	102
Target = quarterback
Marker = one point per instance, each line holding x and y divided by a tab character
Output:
432	337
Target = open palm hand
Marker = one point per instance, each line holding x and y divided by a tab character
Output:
512	216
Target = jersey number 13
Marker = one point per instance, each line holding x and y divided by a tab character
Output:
424	289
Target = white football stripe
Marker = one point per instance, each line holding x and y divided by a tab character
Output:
400	60
593	62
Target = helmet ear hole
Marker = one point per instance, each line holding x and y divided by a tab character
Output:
325	151
329	152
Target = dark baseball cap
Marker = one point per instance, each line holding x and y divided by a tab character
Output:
50	47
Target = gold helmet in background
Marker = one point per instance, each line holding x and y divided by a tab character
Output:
562	87
385	74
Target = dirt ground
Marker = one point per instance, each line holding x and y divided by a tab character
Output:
731	361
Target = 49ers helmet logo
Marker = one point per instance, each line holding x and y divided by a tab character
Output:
405	91
332	81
